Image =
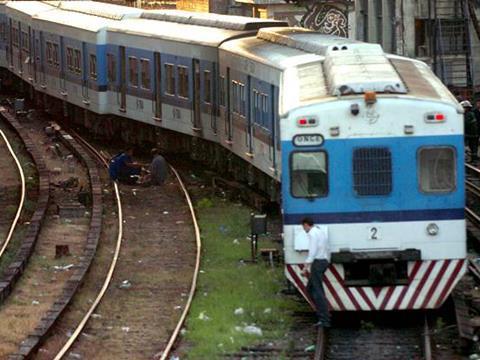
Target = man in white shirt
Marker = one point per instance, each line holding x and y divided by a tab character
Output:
315	266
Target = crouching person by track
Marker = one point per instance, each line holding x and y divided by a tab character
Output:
123	169
315	266
158	170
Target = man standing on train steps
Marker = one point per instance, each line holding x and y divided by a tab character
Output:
315	266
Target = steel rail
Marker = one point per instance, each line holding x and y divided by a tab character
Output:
108	279
173	338
473	168
166	352
320	345
472	215
427	343
472	188
22	196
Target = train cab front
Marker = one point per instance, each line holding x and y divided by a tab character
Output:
385	183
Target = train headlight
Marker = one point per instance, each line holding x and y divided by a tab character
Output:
432	229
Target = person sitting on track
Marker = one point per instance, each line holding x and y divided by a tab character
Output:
123	169
157	171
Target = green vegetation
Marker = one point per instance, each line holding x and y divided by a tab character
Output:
227	284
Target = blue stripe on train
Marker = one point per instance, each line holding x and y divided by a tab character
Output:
377	216
405	195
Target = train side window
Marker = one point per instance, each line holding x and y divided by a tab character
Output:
77	61
37	46
242	99
111	67
183	82
145	66
308	174
133	71
207	84
235	97
256	117
170	79
437	169
372	171
56	55
49	53
93	66
15	37
264	112
221	91
25	40
70	66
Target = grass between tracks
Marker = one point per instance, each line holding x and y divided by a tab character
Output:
225	284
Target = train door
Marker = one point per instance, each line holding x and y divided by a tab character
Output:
273	127
228	116
214	99
10	43
196	95
63	84
34	55
42	59
20	47
249	115
123	80
85	72
29	59
158	86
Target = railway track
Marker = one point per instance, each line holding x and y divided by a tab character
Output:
64	283
379	343
8	238
472	185
170	344
116	254
464	296
17	266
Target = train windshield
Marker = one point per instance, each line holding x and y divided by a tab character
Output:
309	174
437	169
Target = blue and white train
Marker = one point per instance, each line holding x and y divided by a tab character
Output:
369	145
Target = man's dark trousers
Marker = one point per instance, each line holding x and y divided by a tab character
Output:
315	289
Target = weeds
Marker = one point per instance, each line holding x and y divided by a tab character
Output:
226	283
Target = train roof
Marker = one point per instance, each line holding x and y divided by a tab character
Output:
29	8
98	9
202	35
227	22
74	20
327	66
85	15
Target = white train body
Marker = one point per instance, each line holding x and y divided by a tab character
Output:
367	144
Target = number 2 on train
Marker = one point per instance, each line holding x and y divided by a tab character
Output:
374	233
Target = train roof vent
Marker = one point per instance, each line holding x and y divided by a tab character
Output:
312	82
360	68
227	22
305	40
99	9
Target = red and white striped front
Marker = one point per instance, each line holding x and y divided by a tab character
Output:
430	283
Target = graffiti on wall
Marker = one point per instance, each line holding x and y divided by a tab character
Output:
327	19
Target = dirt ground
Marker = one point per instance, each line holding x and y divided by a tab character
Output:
153	277
149	287
45	276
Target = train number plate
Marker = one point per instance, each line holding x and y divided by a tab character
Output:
374	233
